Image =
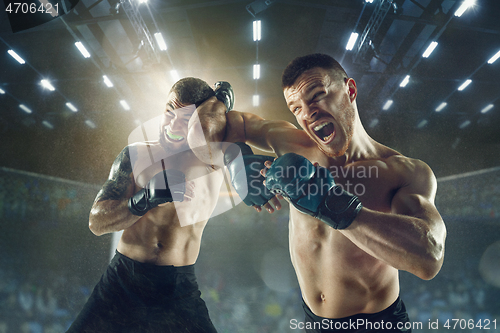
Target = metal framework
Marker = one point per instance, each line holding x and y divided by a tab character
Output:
130	8
371	29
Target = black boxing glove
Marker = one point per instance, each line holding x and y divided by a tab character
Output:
312	190
244	167
224	93
165	186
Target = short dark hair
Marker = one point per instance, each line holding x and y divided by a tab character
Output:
191	90
301	64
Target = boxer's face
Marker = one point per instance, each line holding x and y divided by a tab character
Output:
324	108
174	124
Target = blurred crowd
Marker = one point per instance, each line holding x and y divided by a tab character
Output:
45	298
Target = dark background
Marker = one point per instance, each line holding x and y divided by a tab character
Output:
213	40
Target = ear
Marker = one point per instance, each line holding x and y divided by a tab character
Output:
352	89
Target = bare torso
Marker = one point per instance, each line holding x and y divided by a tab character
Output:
337	278
170	234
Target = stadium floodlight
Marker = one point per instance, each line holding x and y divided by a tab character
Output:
487	108
494	58
82	49
161	42
107	81
125	105
387	105
441	106
16	56
256	30
429	49
352	41
47	85
465	5
25	108
405	81
71	107
464	85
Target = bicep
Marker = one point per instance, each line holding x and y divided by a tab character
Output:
416	197
120	183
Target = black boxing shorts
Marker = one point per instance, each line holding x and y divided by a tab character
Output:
133	297
392	319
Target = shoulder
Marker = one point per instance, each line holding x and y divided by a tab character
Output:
412	173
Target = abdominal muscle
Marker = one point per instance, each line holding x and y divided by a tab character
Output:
337	279
158	238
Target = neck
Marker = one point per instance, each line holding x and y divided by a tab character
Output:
362	146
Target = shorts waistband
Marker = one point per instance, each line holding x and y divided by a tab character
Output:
147	267
394	309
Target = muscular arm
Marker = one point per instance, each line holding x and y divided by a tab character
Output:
268	135
212	126
110	211
411	237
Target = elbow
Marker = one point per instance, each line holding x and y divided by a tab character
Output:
431	263
433	253
94	227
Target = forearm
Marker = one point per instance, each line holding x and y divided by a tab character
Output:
404	242
207	131
260	133
110	216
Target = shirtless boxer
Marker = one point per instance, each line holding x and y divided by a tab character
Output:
346	248
161	196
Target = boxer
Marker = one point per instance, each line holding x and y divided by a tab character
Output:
161	195
359	211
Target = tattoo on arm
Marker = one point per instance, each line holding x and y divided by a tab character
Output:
119	180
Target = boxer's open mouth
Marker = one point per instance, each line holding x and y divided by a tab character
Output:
171	135
324	131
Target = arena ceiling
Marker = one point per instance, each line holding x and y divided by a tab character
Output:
213	40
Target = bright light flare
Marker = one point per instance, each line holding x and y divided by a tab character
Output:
441	106
487	108
125	105
256	71
161	42
429	49
47	85
465	5
90	123
255	100
405	81
174	75
16	56
82	49
71	107
494	58
352	41
464	85
387	104
107	81
256	30
25	108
